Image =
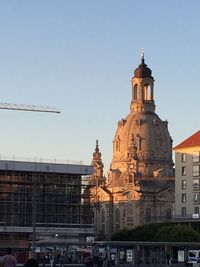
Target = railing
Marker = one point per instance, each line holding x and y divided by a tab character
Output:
187	217
45	229
178	218
158	219
42	160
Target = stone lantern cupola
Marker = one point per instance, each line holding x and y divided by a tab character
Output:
142	89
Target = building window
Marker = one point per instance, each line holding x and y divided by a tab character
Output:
184	171
147	92
138	142
118	144
183	157
195	170
183	211
148	215
103	216
159	144
196	210
103	229
196	197
117	215
195	156
183	197
117	220
135	92
129	217
195	184
183	184
168	214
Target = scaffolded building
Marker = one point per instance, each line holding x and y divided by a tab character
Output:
43	202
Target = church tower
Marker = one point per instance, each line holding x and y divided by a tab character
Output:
144	130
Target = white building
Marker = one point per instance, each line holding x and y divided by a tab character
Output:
187	178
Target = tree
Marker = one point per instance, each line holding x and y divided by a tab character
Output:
179	233
158	232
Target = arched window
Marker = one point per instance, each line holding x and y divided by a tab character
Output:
130	177
138	141
148	215
147	92
135	92
118	144
103	221
103	216
93	221
117	215
168	214
117	220
129	217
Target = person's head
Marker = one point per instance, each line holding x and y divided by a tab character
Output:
31	263
8	250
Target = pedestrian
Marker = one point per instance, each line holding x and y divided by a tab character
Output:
31	263
62	259
43	260
168	259
105	258
9	260
112	259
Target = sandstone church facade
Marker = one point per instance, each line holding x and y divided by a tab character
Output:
139	187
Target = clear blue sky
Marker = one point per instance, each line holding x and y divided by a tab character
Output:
79	55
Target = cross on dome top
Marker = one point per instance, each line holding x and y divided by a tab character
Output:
142	53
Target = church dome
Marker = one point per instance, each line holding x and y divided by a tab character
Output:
142	71
151	136
142	139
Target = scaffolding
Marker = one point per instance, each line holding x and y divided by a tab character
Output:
33	198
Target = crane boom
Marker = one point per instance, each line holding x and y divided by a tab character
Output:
29	108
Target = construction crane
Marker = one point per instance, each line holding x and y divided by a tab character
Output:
22	107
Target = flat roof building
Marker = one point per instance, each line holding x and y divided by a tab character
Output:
43	202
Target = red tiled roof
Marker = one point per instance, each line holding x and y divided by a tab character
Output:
193	140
